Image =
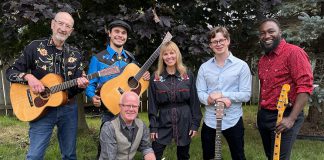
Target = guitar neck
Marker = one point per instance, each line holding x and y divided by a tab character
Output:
148	63
276	151
71	83
152	58
218	142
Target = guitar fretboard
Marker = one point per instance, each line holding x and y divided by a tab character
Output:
70	83
152	58
281	106
218	142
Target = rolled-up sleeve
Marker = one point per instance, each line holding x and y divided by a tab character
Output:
145	146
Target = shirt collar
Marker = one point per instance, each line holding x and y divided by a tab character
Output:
123	124
279	48
112	52
230	58
164	74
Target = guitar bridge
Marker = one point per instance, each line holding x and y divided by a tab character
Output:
121	91
30	98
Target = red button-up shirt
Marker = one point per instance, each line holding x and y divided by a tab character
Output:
287	64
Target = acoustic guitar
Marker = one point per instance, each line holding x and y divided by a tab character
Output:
28	106
129	80
219	117
281	107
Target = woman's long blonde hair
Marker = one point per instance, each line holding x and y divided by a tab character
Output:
171	46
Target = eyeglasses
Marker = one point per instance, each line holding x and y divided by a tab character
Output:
61	24
129	106
221	41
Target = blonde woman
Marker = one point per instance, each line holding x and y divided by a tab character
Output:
174	111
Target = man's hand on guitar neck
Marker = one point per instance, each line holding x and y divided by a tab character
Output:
146	76
285	124
82	82
35	85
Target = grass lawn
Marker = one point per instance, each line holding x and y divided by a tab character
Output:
14	142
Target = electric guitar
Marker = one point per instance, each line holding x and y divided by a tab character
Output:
219	117
281	107
28	106
129	80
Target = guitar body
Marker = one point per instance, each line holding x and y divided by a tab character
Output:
112	90
28	106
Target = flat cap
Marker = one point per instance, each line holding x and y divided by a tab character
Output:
119	23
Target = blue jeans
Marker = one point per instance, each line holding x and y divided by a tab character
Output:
66	119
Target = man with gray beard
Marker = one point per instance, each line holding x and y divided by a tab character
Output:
39	58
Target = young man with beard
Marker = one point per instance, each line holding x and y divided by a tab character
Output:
282	63
223	78
121	137
39	58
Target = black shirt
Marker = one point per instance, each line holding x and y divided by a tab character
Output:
41	57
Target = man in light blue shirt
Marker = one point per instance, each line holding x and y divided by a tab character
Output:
223	77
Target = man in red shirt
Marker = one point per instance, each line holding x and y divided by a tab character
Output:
282	63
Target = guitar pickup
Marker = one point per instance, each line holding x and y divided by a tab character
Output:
30	98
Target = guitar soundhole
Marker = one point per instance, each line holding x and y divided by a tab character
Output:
46	94
132	82
43	97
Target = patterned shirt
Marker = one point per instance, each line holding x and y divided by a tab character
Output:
287	64
233	80
41	57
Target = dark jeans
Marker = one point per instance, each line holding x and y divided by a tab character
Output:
182	151
234	137
266	124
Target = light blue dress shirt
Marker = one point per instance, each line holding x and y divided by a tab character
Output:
233	80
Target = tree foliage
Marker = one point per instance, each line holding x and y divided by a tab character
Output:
188	21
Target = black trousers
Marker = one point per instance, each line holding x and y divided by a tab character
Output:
266	124
234	137
182	151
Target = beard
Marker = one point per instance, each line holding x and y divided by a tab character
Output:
267	49
60	37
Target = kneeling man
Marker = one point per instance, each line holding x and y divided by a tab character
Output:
123	136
